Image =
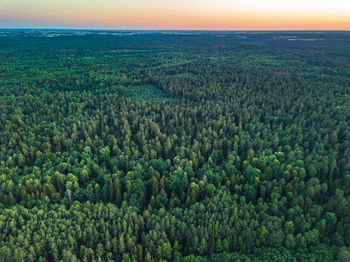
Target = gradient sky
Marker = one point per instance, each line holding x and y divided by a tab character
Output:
177	14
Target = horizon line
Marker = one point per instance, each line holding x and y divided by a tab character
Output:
173	29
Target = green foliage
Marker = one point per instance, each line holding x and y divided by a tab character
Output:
148	93
160	146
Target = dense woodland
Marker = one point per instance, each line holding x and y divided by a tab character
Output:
174	146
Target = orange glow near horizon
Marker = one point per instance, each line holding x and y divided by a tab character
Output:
180	14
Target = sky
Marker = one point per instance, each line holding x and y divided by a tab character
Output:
177	14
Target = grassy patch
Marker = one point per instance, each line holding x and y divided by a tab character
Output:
184	74
150	93
270	60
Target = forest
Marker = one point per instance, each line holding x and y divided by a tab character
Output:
174	146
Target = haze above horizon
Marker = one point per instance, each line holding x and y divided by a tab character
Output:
179	15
